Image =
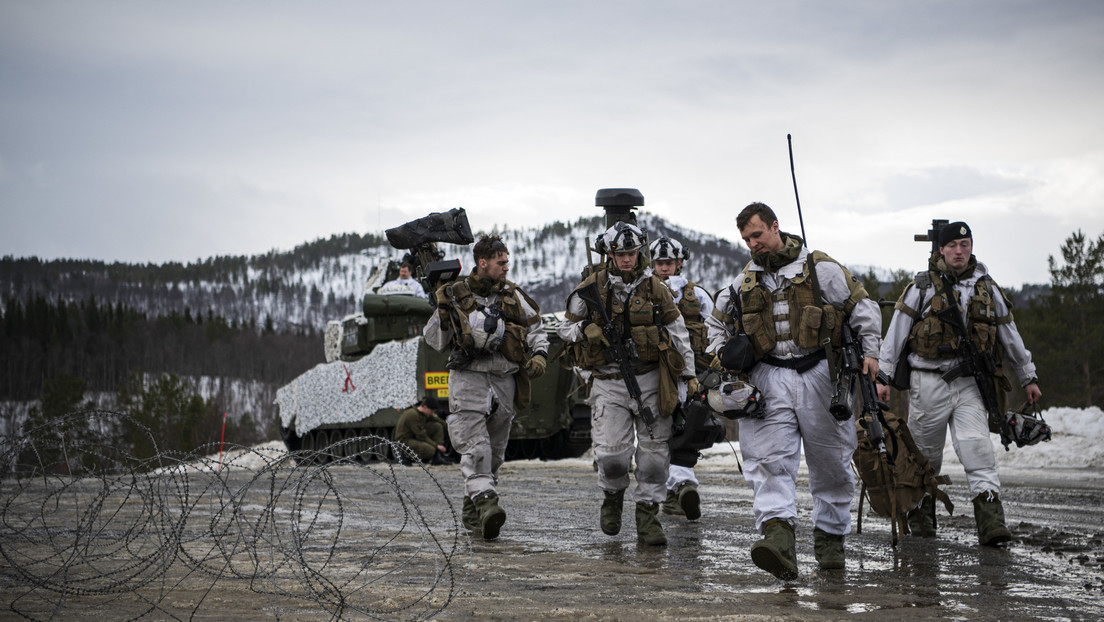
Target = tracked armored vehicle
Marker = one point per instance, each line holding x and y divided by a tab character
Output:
378	364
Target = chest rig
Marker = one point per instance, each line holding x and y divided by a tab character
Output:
508	305
807	319
639	319
931	338
690	306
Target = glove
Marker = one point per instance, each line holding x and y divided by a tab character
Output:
692	387
682	388
594	335
536	365
442	298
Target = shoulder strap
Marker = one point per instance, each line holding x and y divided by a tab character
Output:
825	338
922	281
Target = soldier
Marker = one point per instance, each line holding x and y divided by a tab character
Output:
420	429
498	345
791	301
405	283
644	314
694	303
940	397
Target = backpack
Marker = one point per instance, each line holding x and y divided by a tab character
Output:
896	485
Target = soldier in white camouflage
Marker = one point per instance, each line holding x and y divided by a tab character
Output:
792	303
694	304
644	314
941	398
498	345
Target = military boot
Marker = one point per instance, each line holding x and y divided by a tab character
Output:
648	529
671	504
469	516
921	520
689	500
612	507
491	516
776	552
828	549
989	515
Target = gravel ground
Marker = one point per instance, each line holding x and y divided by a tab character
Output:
356	542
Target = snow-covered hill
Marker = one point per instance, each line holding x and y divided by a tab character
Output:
325	279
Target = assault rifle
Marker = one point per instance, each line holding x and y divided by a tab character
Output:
976	363
850	373
619	351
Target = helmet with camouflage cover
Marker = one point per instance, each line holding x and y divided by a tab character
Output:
487	328
730	397
623	237
666	248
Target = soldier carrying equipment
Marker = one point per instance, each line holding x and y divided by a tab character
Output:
974	362
620	351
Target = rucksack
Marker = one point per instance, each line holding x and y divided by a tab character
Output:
895	485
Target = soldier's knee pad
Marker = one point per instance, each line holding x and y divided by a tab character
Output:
976	454
613	467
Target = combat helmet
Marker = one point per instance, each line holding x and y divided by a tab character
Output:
623	237
730	397
487	328
666	248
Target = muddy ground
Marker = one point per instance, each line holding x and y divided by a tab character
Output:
358	542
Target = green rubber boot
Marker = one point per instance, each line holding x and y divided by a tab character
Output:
776	552
491	517
989	515
828	549
648	529
469	516
921	520
689	501
671	504
612	507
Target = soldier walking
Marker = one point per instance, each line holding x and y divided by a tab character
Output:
694	304
793	302
941	397
497	345
645	315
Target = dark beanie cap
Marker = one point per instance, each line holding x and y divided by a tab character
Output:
431	402
954	231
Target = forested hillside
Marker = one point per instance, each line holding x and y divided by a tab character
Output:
233	329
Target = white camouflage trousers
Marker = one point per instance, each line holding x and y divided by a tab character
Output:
481	410
936	406
797	413
613	426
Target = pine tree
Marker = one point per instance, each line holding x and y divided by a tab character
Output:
1077	300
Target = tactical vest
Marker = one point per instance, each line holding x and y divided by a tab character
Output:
639	320
690	306
807	316
517	325
931	338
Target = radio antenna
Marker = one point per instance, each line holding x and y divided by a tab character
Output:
789	141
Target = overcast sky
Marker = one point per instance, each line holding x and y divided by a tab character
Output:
157	131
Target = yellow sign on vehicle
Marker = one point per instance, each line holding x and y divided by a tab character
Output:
437	381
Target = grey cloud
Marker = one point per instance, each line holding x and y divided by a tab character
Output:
945	183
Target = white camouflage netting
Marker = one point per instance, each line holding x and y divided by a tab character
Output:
383	379
332	340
